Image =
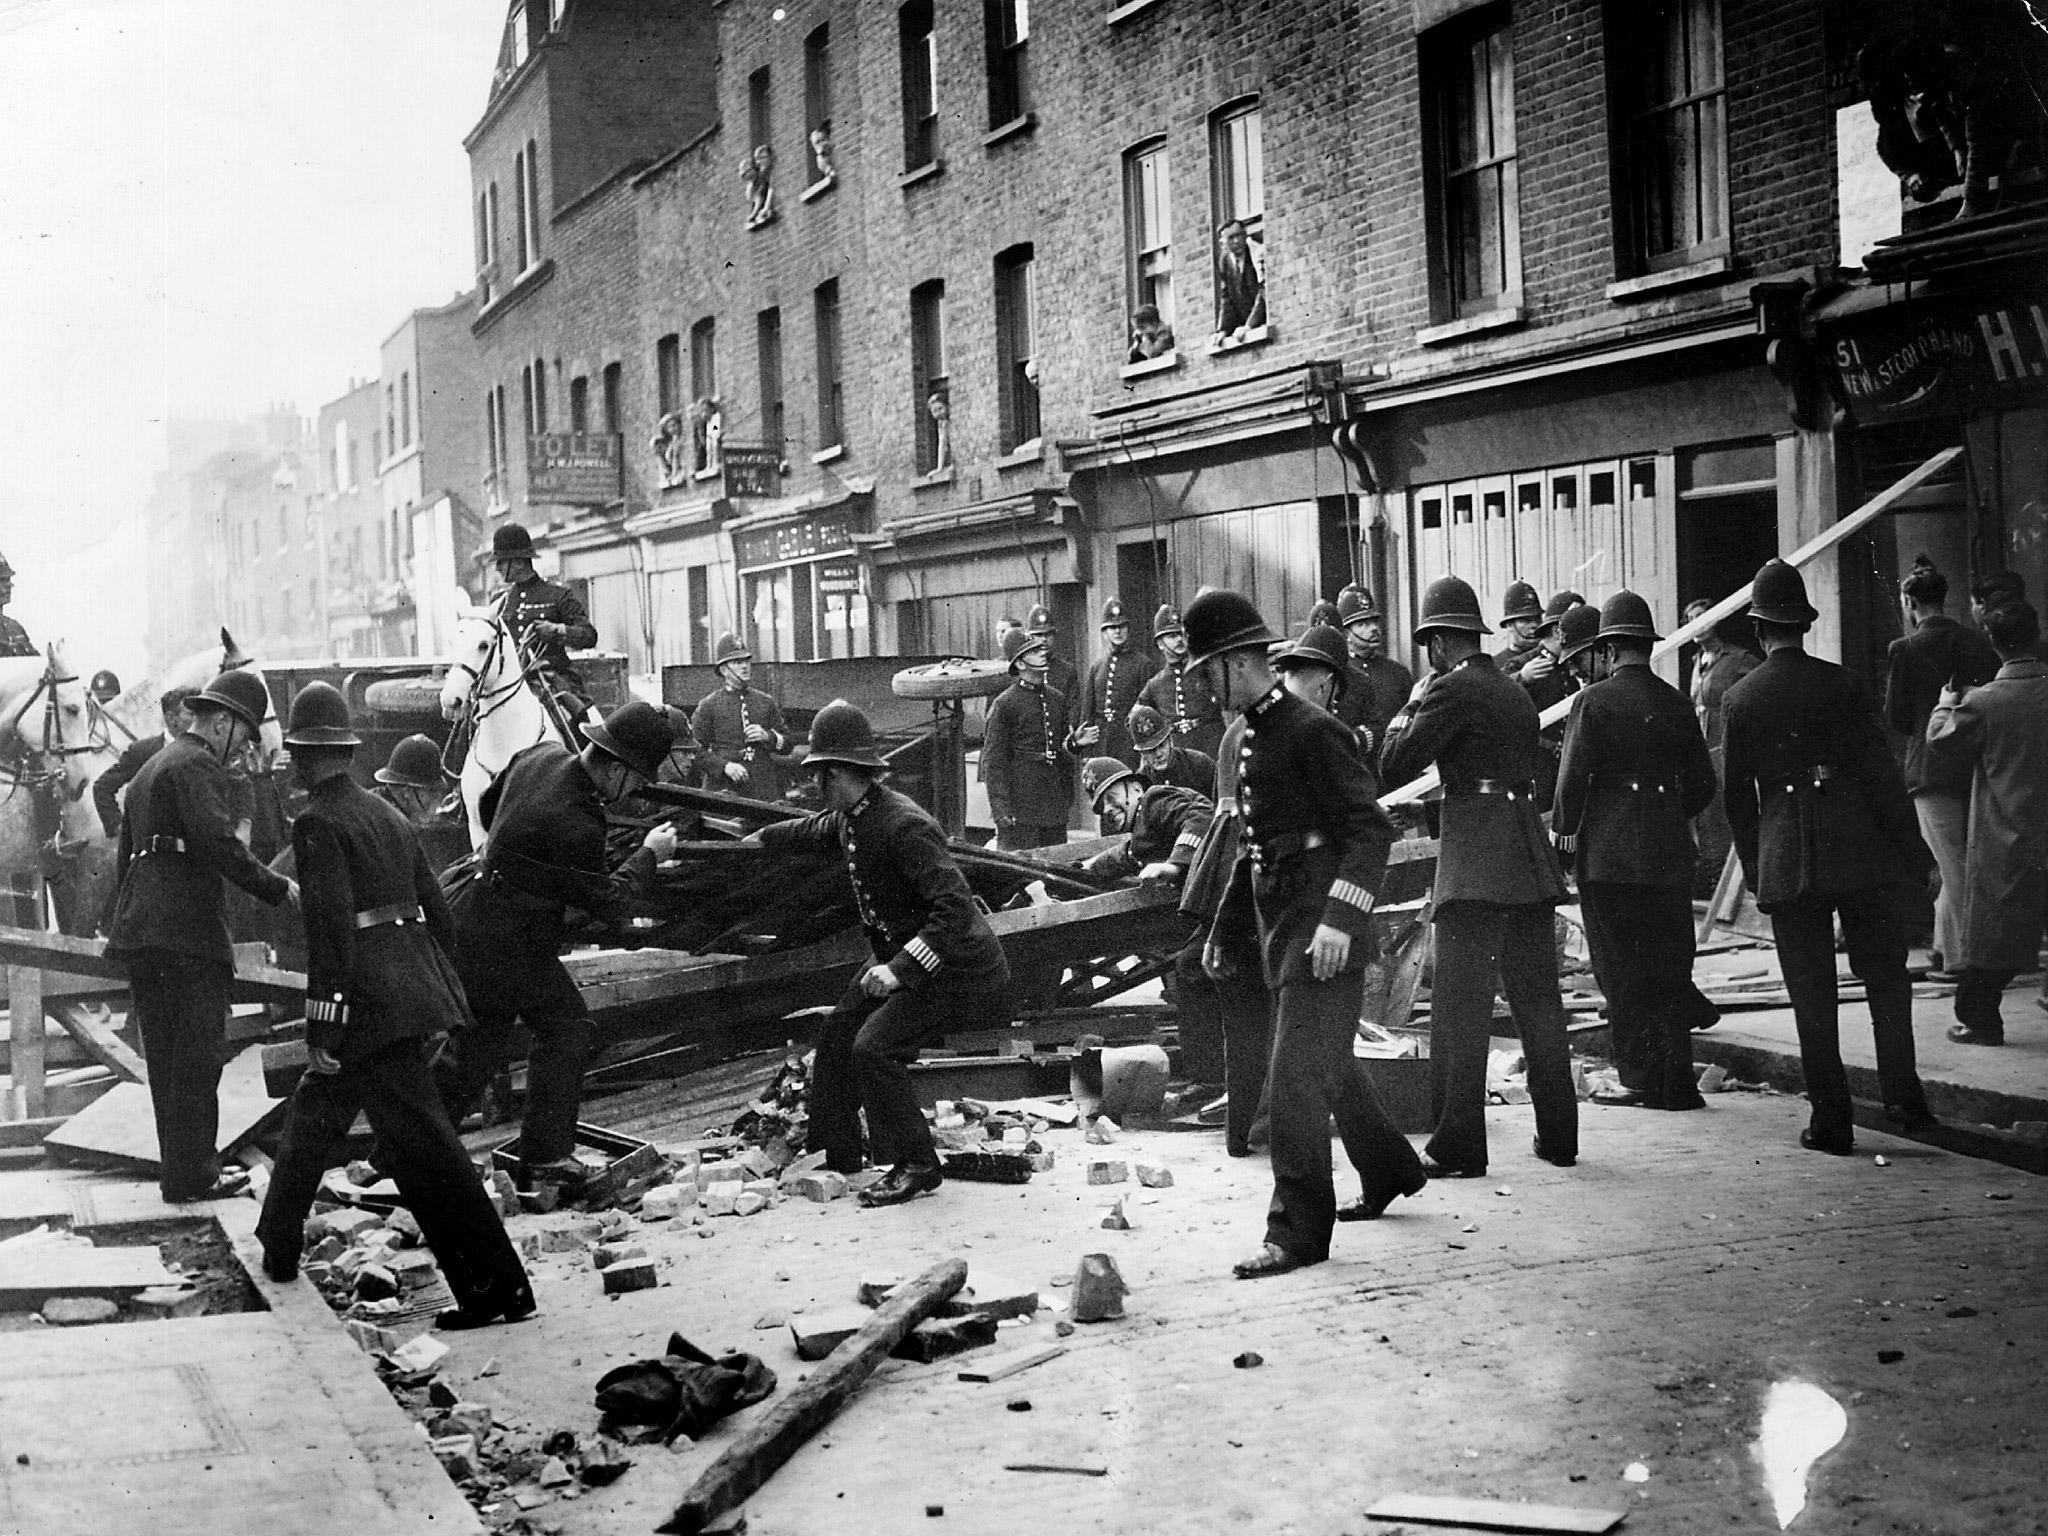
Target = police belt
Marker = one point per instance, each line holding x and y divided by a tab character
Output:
1635	781
398	914
160	844
1285	845
1813	778
511	890
1505	788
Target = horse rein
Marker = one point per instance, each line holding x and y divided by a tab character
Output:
486	701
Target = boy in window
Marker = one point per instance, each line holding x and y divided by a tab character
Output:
1151	336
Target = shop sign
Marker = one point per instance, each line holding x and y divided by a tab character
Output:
835	577
803	538
751	471
1940	356
579	468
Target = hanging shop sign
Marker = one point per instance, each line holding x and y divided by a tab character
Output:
1941	355
583	469
800	538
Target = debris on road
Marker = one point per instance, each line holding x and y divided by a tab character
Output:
1099	1289
1005	1366
1494	1514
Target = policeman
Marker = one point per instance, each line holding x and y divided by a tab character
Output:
1823	825
414	782
1317	668
14	640
106	789
1378	684
937	962
544	852
1060	673
1114	683
1178	692
1315	846
550	615
739	729
1521	612
1548	680
1164	824
1024	758
380	984
1497	883
104	688
1578	636
177	851
1635	772
1162	760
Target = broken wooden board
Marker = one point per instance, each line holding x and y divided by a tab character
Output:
255	979
32	1274
121	1127
92	1026
1004	1366
1493	1514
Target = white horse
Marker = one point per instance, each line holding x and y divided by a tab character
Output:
495	692
52	746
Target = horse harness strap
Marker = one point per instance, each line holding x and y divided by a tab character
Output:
396	915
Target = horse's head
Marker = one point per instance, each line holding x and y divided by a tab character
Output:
53	724
482	650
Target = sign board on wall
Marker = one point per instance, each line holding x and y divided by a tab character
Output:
803	538
1951	354
583	469
751	470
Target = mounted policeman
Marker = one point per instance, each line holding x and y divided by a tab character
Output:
14	640
545	616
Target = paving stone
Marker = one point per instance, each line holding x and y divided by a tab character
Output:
78	1311
1155	1176
820	1185
723	1198
938	1337
1099	1289
875	1287
169	1301
567	1233
605	1255
632	1275
817	1334
347	1223
1111	1172
665	1202
750	1203
457	1455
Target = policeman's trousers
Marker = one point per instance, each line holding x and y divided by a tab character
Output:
1642	942
181	1008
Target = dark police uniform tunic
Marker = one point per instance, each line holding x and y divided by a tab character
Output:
720	726
1181	695
1314	851
1025	764
379	983
544	852
1823	825
1114	684
535	601
1374	692
177	848
1559	683
1635	771
921	922
14	640
1185	769
1497	883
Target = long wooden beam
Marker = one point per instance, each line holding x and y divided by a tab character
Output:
1814	547
32	947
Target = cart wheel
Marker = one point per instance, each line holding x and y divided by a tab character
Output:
957	677
404	698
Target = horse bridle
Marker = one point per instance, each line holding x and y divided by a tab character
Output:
53	747
486	701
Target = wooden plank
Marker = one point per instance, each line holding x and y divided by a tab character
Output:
770	1440
121	1127
256	980
1685	634
93	1029
29	1133
1005	1366
1494	1514
25	1040
37	1271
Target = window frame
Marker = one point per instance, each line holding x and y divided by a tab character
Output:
1476	49
827	325
928	366
917	63
704	359
1224	206
1006	30
1633	39
613	391
1016	319
668	374
768	362
1148	263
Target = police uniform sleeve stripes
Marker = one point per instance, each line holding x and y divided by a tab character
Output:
1352	894
922	953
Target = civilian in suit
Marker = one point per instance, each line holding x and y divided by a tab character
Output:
380	986
1935	654
1498	884
1240	288
1633	775
106	789
1825	829
1998	734
177	852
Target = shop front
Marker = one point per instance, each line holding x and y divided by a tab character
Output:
948	578
805	583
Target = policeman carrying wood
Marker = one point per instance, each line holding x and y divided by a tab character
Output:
1498	884
739	728
1825	830
177	852
1024	759
380	987
1314	850
1634	773
937	964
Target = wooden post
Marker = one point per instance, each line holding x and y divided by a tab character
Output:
25	1018
1826	540
770	1440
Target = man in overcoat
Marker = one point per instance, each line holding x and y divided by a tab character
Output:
1498	884
1997	734
1825	830
1633	775
380	986
177	852
544	852
1314	851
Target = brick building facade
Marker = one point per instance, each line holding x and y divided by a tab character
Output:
1512	258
